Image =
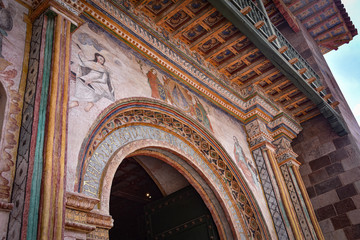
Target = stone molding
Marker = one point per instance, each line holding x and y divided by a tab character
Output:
80	215
6	206
81	202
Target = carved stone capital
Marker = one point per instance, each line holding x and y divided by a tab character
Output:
69	9
284	152
257	133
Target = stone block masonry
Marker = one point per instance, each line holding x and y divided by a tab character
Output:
331	172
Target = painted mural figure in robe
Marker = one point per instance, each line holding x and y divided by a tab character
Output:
246	165
93	82
157	88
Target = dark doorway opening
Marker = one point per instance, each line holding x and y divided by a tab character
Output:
151	200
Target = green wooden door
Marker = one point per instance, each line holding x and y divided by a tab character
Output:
179	216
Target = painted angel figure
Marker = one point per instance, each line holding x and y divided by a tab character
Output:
93	82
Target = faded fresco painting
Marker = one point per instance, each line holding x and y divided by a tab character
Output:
92	82
105	70
12	45
172	92
245	164
12	38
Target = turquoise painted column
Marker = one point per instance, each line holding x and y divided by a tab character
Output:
33	216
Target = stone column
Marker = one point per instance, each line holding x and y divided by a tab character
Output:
40	212
286	159
272	181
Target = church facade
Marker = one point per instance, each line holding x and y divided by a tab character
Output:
193	119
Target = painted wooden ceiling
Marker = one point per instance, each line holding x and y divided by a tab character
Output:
326	21
204	30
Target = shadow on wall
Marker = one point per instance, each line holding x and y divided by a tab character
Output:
2	107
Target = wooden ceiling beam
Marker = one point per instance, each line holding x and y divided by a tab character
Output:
248	51
195	20
318	37
319	24
248	68
262	77
168	13
309	115
333	40
322	34
321	11
288	15
228	44
142	3
286	92
292	3
294	101
303	108
313	16
303	8
276	84
210	34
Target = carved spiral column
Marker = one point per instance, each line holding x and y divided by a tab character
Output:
273	184
286	159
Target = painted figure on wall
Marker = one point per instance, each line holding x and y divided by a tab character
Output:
201	114
6	23
178	96
245	164
157	88
93	82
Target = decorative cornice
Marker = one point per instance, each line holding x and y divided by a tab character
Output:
100	220
81	202
80	214
81	227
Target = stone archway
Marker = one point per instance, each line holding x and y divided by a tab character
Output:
149	198
137	125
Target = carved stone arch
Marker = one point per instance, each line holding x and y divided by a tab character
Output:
134	125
